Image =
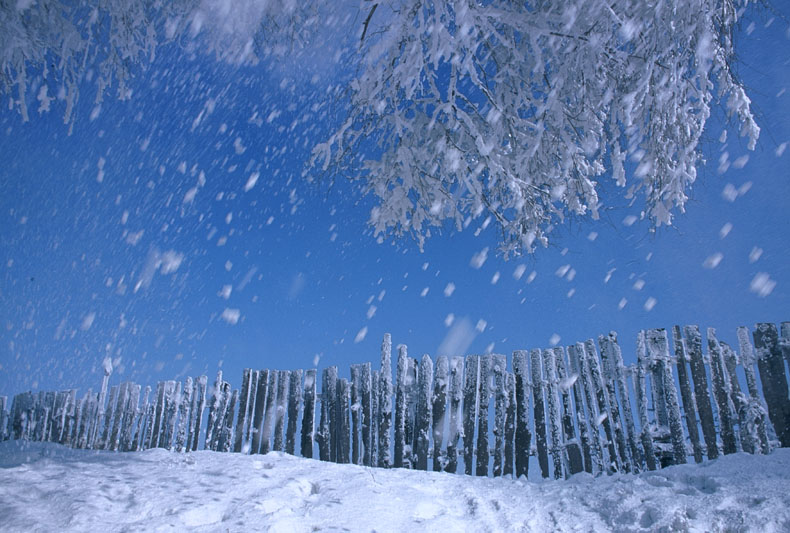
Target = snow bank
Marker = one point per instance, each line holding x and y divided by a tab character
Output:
46	487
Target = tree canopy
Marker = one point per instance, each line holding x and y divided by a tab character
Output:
510	111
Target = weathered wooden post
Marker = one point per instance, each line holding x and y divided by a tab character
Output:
523	435
366	414
213	408
701	395
757	412
747	435
471	392
641	401
130	413
424	413
270	411
608	346
328	399
294	404
455	427
308	416
689	405
554	412
772	375
401	406
603	404
572	448
510	424
439	401
721	387
658	349
259	411
498	372
343	435
356	406
283	382
244	408
482	455
385	403
540	412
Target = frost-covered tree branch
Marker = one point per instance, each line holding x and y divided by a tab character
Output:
513	110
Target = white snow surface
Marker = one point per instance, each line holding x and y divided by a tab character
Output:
47	487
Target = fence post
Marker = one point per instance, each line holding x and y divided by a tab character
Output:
483	458
550	373
510	424
283	382
439	401
400	406
604	411
772	376
260	410
499	370
608	347
580	365
197	409
748	438
658	346
424	413
523	435
212	412
721	393
385	402
244	407
356	406
308	416
689	405
455	428
184	409
130	413
294	404
641	401
471	392
757	412
342	410
366	412
375	416
572	448
701	395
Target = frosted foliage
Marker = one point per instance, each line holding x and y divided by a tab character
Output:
514	110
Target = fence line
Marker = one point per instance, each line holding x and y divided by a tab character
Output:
578	403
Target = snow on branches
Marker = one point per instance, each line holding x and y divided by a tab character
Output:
514	110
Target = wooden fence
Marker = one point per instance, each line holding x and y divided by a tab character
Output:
575	408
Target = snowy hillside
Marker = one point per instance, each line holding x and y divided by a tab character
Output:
47	487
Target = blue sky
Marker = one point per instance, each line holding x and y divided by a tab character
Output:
144	235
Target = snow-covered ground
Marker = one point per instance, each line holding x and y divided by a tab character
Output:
46	487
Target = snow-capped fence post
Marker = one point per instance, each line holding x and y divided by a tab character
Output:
294	404
401	406
608	345
747	435
757	412
689	405
184	415
424	413
580	366
604	411
375	416
439	408
483	458
510	424
308	416
385	403
455	427
641	401
471	375
172	399
572	448
226	441
109	413
366	413
3	418
328	393
523	436
772	375
283	383
270	411
117	418
658	348
411	412
198	405
539	411
130	413
701	393
554	429
343	423
356	405
213	407
244	408
721	388
259	411
499	372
